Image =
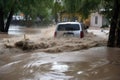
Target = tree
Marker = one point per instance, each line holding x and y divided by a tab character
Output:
83	7
71	7
57	8
6	12
114	34
34	8
8	8
30	8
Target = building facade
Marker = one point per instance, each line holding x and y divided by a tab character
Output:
98	20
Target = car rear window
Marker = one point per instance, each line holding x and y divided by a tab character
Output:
68	27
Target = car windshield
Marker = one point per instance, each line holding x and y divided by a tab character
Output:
68	27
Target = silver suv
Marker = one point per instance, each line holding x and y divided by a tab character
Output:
70	29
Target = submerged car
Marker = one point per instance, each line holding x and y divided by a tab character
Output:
70	29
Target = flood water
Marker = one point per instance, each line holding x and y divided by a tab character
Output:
19	30
98	63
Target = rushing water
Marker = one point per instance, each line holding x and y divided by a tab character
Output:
99	63
19	30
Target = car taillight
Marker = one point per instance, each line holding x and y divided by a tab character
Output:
81	34
55	34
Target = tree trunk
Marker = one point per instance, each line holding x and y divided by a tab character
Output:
1	20
118	36
114	21
9	20
118	30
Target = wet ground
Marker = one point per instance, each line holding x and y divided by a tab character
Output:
98	63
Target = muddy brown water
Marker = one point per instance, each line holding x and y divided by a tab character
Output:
99	63
18	31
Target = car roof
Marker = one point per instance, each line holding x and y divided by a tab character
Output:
69	23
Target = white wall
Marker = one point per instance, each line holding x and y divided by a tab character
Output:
99	20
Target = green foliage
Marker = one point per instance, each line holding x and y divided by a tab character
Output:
70	6
31	8
108	6
6	5
57	7
84	7
34	8
87	6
